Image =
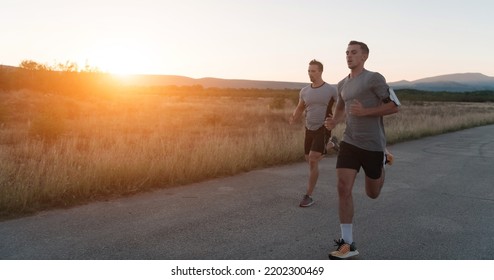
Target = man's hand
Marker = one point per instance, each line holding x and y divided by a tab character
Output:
330	123
356	109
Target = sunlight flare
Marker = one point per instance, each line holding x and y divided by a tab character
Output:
122	59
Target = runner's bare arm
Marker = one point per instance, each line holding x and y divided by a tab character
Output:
338	117
297	113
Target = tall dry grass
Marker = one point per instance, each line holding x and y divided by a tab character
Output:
56	151
421	119
131	144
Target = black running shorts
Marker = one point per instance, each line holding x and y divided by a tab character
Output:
353	157
316	140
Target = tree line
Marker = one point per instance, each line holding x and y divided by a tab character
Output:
71	80
63	78
471	96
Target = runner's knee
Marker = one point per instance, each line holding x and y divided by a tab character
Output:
314	157
373	187
344	188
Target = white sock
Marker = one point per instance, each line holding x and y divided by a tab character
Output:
347	233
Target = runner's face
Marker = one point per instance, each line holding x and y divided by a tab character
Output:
314	73
355	57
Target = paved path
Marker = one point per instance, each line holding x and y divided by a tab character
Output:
438	203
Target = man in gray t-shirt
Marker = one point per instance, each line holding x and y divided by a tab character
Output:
316	100
363	99
367	89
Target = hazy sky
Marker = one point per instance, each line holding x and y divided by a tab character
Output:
251	39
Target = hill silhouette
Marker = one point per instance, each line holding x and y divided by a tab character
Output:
458	82
168	80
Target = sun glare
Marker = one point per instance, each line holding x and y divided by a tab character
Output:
121	60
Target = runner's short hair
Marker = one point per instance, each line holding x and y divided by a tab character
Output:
319	64
363	46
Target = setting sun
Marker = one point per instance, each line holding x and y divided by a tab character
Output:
121	59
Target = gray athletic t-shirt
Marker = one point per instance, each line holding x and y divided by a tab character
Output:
370	89
316	103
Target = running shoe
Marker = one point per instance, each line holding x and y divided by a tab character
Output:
343	251
389	158
332	143
306	201
336	143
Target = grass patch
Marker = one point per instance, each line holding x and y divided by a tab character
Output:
110	147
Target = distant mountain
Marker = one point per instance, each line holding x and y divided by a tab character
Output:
462	82
169	80
7	68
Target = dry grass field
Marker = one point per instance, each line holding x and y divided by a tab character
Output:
58	151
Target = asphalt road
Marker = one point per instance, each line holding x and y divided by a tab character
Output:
437	203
